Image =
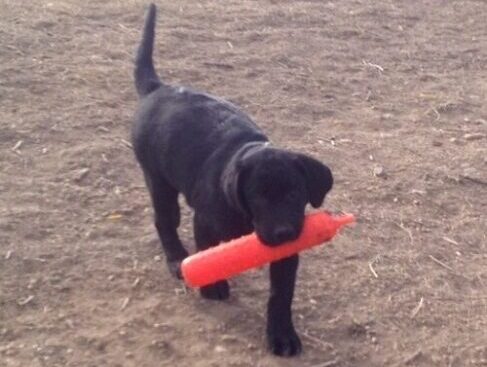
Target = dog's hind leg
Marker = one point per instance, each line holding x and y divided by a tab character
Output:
167	219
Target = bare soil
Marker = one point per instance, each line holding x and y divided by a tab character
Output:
391	94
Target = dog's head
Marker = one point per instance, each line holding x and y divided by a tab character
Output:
272	187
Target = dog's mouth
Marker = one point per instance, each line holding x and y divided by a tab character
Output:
278	236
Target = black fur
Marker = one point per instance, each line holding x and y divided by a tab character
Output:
211	152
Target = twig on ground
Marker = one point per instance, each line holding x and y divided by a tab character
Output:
417	308
378	67
17	146
219	65
438	116
441	263
408	231
127	29
125	303
182	290
474	179
413	357
23	302
126	143
447	239
318	341
372	270
447	267
136	282
331	363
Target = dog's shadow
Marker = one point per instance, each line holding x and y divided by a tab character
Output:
241	317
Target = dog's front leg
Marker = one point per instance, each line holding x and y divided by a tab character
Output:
205	237
281	336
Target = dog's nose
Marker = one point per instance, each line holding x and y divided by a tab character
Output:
283	234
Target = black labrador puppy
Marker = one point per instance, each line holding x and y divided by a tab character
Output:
207	149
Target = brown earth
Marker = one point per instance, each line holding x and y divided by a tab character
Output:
391	94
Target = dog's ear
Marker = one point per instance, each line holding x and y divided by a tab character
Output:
232	185
234	174
319	179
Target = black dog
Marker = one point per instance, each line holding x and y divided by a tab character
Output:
207	149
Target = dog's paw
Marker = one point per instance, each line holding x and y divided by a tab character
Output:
174	261
174	267
284	344
218	291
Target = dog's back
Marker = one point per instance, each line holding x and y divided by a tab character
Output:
177	130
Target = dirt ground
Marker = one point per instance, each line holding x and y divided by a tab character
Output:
390	94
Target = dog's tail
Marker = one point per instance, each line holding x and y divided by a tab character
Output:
146	79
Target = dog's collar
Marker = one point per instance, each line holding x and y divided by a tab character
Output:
251	147
230	174
245	151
